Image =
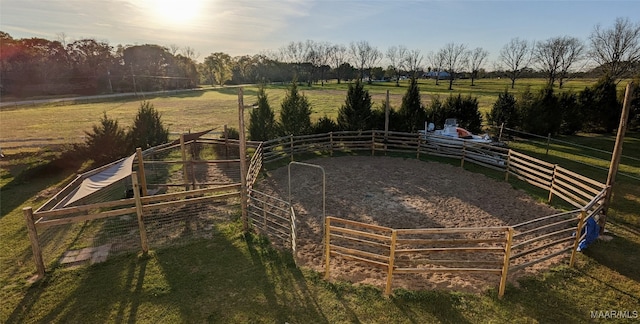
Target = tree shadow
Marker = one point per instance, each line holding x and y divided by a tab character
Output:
28	183
221	273
544	300
619	254
100	288
440	305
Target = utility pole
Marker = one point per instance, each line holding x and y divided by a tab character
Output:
109	77
617	152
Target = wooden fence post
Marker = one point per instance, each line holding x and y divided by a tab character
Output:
386	122
505	265
419	143
330	143
264	215
226	142
143	232
373	142
243	162
506	174
327	249
35	243
500	135
392	257
548	142
291	137
141	173
185	176
553	180
294	236
464	152
617	153
583	214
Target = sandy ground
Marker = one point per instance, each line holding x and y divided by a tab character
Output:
399	193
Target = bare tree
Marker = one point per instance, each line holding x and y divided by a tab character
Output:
616	50
515	56
173	49
190	52
323	59
364	56
396	55
547	55
62	38
412	61
297	54
555	56
318	56
572	53
455	58
373	59
436	60
338	57
476	59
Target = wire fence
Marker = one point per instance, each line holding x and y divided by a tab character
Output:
186	191
549	147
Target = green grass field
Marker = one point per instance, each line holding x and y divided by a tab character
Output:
201	110
234	278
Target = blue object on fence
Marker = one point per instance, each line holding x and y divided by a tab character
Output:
593	230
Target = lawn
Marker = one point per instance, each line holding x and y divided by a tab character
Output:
213	108
236	278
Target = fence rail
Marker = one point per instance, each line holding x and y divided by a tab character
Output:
404	251
497	251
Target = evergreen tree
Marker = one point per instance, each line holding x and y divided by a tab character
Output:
436	113
465	110
411	111
504	111
325	125
543	114
601	106
572	117
107	142
295	115
634	113
262	123
355	114
148	129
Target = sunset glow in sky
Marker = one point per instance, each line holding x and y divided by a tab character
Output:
240	27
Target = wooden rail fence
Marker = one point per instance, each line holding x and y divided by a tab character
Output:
495	250
427	250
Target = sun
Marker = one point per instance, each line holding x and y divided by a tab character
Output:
177	11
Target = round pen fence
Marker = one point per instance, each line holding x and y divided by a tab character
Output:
183	189
495	250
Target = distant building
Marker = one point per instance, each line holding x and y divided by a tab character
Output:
434	74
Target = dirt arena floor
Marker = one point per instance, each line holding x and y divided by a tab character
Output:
399	193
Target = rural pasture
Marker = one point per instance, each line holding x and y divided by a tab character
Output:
236	278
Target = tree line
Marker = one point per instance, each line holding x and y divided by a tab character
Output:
595	109
36	66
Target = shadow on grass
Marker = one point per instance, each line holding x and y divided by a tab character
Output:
216	280
441	305
82	295
29	183
545	299
620	255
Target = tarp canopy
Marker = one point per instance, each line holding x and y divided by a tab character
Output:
191	136
100	180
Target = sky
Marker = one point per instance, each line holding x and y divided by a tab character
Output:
247	27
